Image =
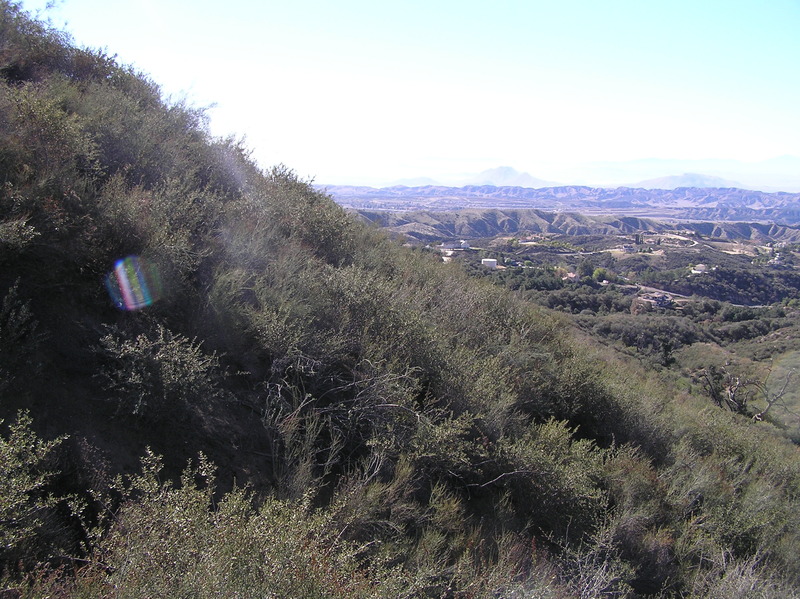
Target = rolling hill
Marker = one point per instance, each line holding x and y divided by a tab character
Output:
426	226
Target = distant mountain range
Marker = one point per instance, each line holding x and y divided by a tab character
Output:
687	180
682	203
502	176
776	174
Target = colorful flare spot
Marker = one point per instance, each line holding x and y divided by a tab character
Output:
134	283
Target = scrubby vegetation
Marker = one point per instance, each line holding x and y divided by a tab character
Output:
689	333
310	409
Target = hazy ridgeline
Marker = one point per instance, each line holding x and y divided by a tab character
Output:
357	418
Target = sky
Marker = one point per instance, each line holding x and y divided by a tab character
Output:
374	92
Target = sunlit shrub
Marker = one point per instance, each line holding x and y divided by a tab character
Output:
170	541
555	478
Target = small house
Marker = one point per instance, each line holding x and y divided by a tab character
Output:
455	245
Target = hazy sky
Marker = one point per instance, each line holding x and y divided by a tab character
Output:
350	91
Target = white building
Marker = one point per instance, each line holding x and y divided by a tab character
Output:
489	262
455	245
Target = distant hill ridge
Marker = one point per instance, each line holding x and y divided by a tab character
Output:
686	203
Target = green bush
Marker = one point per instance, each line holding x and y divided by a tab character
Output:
48	142
19	339
173	541
158	373
557	479
25	503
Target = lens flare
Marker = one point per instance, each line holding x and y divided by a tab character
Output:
134	283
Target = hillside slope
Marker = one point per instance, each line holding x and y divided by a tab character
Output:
358	418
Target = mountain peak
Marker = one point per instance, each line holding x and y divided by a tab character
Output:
506	176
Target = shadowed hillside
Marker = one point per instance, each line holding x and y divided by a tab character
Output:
217	382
